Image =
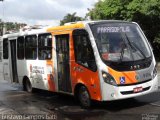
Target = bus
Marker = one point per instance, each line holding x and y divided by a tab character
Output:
1	63
92	60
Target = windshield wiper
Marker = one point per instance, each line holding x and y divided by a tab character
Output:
135	46
122	53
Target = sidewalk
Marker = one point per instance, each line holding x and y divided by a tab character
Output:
6	86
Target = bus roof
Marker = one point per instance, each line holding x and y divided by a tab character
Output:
26	32
68	26
79	24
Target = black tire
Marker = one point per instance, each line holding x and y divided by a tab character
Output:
84	97
28	86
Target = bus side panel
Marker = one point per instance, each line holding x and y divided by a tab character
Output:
50	76
88	78
6	70
36	71
22	70
1	71
39	72
1	62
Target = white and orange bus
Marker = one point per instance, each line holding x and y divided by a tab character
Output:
92	60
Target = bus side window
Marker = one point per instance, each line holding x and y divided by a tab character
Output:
83	51
5	48
31	47
44	46
20	48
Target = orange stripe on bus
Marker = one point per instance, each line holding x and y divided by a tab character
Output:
50	77
129	76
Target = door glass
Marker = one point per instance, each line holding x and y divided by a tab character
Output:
62	46
84	54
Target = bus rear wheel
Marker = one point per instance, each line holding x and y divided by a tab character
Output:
27	86
84	97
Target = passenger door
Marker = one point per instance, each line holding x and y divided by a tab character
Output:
6	65
63	67
13	61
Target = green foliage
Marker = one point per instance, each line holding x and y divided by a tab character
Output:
157	38
109	9
1	27
70	18
145	12
14	26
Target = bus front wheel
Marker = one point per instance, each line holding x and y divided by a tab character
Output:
84	97
27	86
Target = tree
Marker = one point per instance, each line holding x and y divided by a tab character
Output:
10	26
145	12
70	18
1	27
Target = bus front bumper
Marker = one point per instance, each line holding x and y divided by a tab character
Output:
110	92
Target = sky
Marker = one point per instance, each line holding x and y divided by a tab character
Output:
42	12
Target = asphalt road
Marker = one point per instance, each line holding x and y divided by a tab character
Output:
45	105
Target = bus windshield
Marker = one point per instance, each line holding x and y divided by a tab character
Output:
120	42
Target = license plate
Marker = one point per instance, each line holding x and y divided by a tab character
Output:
137	89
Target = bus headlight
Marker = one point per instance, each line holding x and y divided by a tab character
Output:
108	79
154	72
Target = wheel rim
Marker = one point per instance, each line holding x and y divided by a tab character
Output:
28	86
84	97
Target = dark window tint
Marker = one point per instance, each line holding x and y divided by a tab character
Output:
20	47
45	46
1	50
31	47
83	50
5	48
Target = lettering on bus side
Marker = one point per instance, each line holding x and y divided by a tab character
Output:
37	69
